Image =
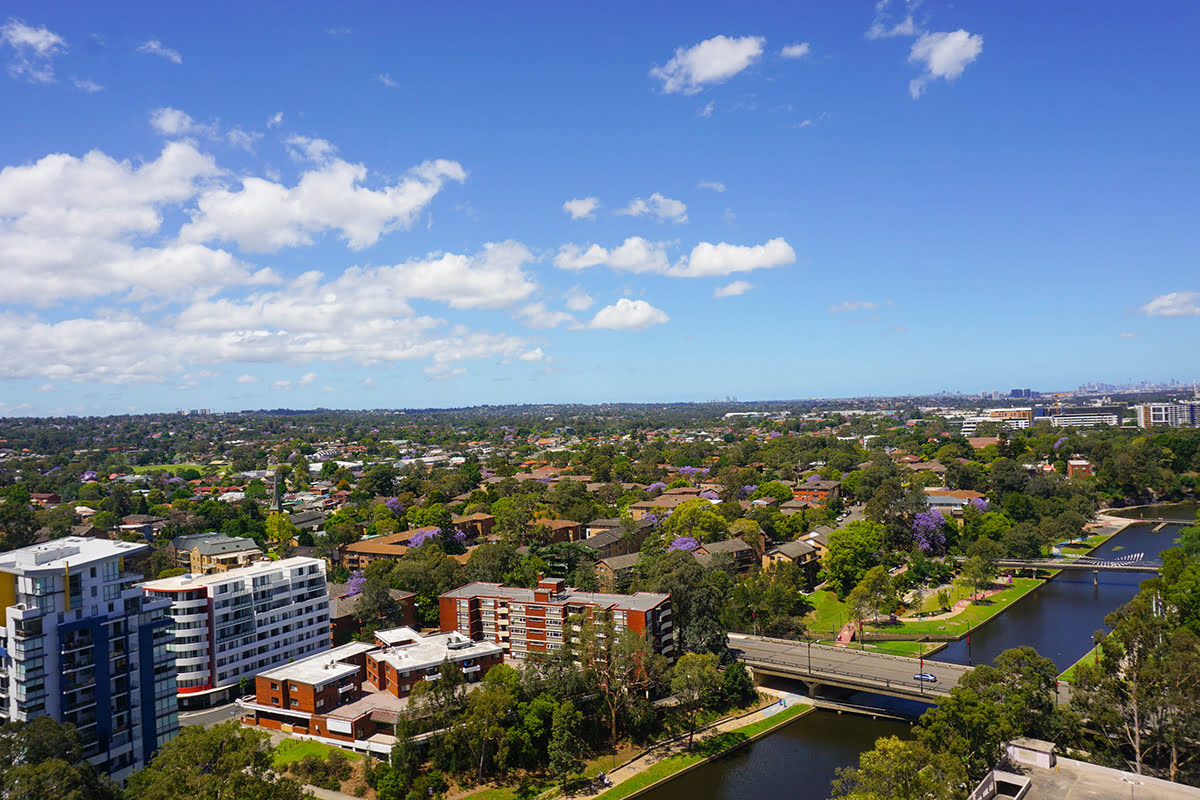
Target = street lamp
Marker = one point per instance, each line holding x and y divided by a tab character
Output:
810	656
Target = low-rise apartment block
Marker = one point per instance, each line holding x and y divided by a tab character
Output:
530	621
351	695
81	644
1174	415
236	624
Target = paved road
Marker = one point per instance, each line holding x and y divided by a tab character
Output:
847	665
209	716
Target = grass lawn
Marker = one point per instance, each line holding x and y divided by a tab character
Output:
971	616
1087	545
1088	658
828	614
171	467
710	747
290	751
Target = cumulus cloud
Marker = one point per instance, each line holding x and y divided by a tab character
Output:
886	25
1175	304
796	50
537	315
942	55
662	208
716	186
732	289
581	207
578	299
709	259
707	110
174	123
634	255
33	50
275	120
307	379
247	378
87	85
533	355
847	306
266	216
156	48
628	315
369	383
710	62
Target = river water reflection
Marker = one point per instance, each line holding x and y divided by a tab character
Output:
1058	620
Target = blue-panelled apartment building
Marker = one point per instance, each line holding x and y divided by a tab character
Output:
82	644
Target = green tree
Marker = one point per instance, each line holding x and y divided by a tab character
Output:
694	676
280	529
43	759
852	550
225	761
901	770
565	749
978	573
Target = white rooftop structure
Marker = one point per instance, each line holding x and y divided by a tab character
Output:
70	551
429	651
322	668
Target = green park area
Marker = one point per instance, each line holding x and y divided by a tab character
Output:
1088	658
292	751
169	467
972	616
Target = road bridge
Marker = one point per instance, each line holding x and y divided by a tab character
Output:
1082	563
818	665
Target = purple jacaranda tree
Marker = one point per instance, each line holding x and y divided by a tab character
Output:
459	536
394	505
686	543
980	503
929	531
709	494
424	535
657	486
747	490
1061	441
88	475
354	586
812	478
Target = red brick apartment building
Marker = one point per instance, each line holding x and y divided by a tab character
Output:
817	492
353	692
525	621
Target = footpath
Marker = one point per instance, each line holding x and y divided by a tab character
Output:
677	746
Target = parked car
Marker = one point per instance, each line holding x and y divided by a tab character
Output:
925	677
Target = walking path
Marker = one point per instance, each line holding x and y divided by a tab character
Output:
678	744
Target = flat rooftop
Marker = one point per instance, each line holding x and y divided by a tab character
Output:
322	667
191	581
1075	780
431	651
642	601
70	551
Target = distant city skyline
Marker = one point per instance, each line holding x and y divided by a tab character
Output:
412	206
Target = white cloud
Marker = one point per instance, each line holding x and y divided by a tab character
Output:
305	148
662	208
156	48
369	383
710	62
942	55
87	85
581	207
386	79
282	385
709	259
732	289
578	299
1129	335
34	50
307	379
46	387
536	315
847	306
885	25
628	315
247	378
344	31
707	110
634	255
243	140
443	372
535	354
174	123
266	216
1175	304
275	120
716	186
796	50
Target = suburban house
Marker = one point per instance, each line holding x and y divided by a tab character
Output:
205	553
742	554
951	500
612	570
801	553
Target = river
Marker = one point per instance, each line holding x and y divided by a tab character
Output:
1057	619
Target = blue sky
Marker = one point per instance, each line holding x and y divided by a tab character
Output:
368	205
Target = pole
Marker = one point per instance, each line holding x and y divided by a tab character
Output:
810	656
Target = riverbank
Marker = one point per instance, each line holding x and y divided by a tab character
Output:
634	779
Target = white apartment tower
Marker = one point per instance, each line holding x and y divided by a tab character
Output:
83	645
236	624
